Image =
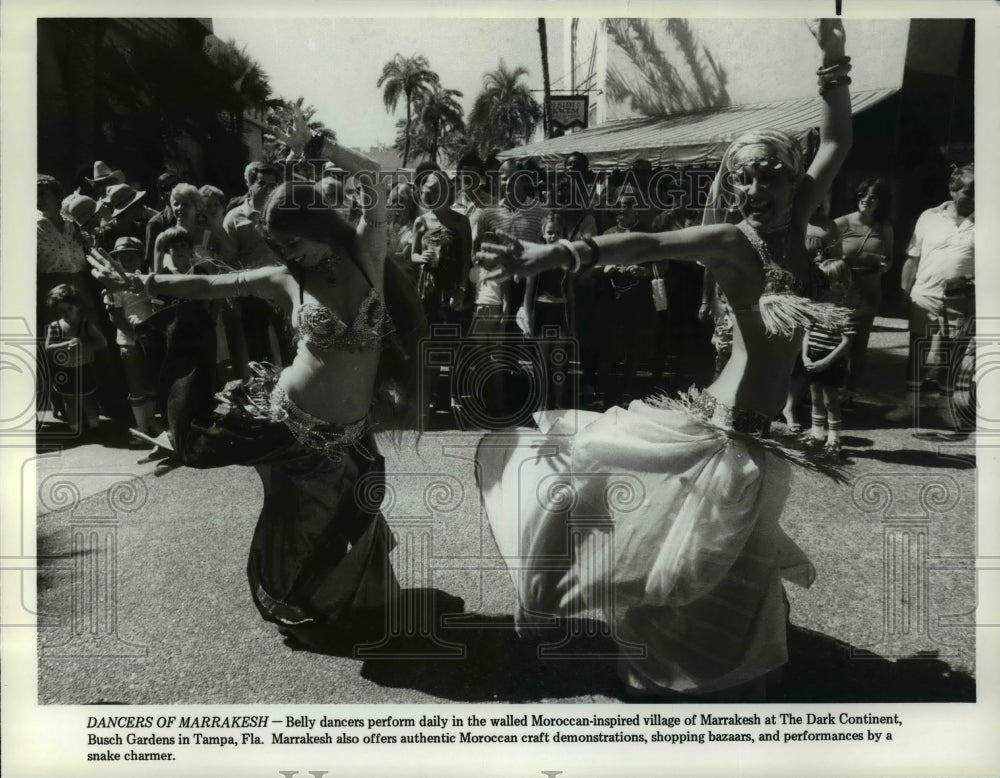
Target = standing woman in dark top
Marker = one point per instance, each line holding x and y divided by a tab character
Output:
442	247
319	560
867	240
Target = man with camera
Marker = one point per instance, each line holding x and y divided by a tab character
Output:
939	277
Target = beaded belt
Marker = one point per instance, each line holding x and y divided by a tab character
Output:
489	310
322	436
740	420
271	401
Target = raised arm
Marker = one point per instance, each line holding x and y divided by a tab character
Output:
835	130
366	171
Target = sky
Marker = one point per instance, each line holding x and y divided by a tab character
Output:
335	63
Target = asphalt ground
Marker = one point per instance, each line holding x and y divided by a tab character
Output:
143	599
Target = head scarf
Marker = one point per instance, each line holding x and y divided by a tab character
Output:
772	148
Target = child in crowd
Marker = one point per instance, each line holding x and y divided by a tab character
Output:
825	357
174	251
70	343
127	311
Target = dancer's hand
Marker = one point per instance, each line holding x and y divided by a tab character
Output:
298	134
109	271
829	34
503	256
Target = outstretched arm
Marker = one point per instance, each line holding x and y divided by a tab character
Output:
266	282
835	129
716	246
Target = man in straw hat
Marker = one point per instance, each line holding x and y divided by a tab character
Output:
124	202
88	215
104	177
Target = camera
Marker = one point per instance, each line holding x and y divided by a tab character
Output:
960	363
496	377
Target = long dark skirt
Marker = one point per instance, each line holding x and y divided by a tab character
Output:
320	551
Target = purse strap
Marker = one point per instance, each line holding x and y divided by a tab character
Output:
863	242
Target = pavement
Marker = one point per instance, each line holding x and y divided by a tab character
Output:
142	593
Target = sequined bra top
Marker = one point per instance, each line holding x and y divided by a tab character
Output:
322	329
777	280
786	302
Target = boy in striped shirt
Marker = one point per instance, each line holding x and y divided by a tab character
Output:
825	356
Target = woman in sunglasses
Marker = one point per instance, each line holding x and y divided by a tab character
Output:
665	515
319	561
867	241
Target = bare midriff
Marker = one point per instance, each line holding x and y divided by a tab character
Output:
335	386
758	373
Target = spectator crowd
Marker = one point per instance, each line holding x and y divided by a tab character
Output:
593	339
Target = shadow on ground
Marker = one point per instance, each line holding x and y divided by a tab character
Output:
471	657
915	457
823	669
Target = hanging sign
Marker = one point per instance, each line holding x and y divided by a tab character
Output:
568	112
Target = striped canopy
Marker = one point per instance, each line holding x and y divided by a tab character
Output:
698	138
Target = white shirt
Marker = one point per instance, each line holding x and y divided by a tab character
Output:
945	250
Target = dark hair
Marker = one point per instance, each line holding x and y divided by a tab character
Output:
333	192
173	236
423	169
48	184
556	220
960	175
447	183
64	293
882	192
473	161
166	182
297	207
405	201
258	168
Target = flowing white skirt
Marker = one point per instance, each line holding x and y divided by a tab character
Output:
663	523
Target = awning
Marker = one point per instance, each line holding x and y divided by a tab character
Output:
698	138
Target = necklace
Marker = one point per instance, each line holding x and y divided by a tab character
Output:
327	267
774	254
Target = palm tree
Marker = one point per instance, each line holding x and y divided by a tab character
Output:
244	73
504	113
410	78
652	84
441	121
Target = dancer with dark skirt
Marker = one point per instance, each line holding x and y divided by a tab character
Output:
319	559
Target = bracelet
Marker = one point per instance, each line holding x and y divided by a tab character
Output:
844	63
314	147
577	261
595	251
242	287
149	284
826	85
